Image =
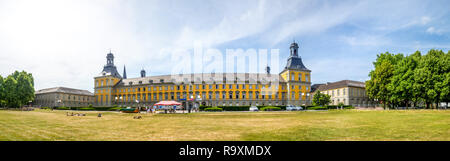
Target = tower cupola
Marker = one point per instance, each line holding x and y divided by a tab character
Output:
294	49
142	73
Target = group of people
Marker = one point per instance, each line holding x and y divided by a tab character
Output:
151	109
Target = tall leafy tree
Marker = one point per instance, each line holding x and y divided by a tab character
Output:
445	90
17	89
401	86
25	87
430	76
380	78
321	99
2	94
10	89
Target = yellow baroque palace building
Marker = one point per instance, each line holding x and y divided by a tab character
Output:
290	87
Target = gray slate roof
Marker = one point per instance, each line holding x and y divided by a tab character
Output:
204	77
338	84
64	90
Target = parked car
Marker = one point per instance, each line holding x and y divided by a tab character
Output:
254	108
293	108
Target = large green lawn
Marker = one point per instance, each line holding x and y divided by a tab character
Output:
310	125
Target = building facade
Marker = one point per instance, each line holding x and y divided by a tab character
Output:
290	87
62	96
347	92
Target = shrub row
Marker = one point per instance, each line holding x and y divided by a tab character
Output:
328	107
270	108
213	109
281	107
337	106
317	108
228	108
86	108
239	108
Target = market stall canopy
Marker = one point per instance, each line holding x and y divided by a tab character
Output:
167	103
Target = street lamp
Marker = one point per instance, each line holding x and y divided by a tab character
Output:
189	107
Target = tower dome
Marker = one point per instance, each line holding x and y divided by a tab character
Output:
294	49
142	73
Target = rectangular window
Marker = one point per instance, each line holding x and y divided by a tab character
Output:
300	77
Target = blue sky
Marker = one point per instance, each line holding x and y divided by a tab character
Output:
64	43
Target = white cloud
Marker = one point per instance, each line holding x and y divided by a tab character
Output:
432	30
366	40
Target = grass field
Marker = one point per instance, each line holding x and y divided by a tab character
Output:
310	125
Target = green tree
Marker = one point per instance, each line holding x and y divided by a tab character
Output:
25	87
430	77
380	78
2	93
17	89
401	85
10	89
321	99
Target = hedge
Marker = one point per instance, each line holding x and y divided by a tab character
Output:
238	108
114	108
270	108
213	109
86	109
336	107
202	108
281	107
63	108
317	108
328	107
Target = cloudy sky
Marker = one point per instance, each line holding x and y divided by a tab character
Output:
64	42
